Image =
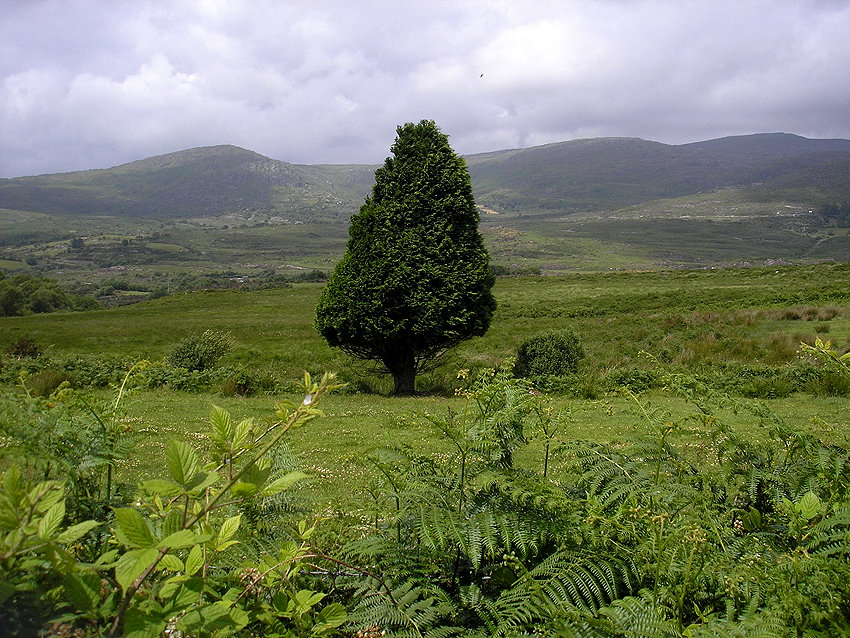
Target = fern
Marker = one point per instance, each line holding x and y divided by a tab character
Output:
831	536
763	625
566	587
407	611
635	617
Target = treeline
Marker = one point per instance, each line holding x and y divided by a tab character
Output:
25	294
839	211
228	279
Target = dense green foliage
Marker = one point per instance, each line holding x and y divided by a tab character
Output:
414	281
200	352
23	294
76	553
683	528
553	353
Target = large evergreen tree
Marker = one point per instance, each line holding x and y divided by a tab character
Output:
415	279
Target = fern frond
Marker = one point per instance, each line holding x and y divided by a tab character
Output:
831	536
633	616
763	625
479	535
568	586
406	611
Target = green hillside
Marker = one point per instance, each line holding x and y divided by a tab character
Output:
226	214
581	175
608	173
203	182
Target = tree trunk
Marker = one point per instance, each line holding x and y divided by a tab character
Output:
404	381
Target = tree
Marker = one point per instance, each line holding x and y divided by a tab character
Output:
414	281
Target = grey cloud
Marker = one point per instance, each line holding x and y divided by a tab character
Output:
93	83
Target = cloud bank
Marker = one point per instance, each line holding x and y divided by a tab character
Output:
91	84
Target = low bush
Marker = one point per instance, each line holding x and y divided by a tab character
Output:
200	352
564	385
829	383
634	379
25	347
238	382
768	388
45	382
553	353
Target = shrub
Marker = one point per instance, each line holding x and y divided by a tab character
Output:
46	382
829	383
635	380
24	347
245	383
236	384
200	352
768	388
567	384
553	353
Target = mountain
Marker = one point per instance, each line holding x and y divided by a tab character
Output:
609	173
577	176
201	182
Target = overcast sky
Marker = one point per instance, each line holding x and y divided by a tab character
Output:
93	84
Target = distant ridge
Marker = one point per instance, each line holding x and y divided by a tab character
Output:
604	173
592	174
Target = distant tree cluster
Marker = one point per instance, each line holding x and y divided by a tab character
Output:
24	294
840	212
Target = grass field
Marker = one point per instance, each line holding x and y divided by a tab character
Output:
334	449
704	425
275	325
701	322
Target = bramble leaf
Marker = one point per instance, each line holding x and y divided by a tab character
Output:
182	461
329	618
183	538
83	590
195	560
163	487
49	523
809	506
243	490
172	563
283	483
76	532
229	528
221	428
133	530
133	564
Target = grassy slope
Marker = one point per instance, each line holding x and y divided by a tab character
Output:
203	182
274	327
608	173
617	314
580	205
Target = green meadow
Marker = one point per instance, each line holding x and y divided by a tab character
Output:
736	330
691	478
